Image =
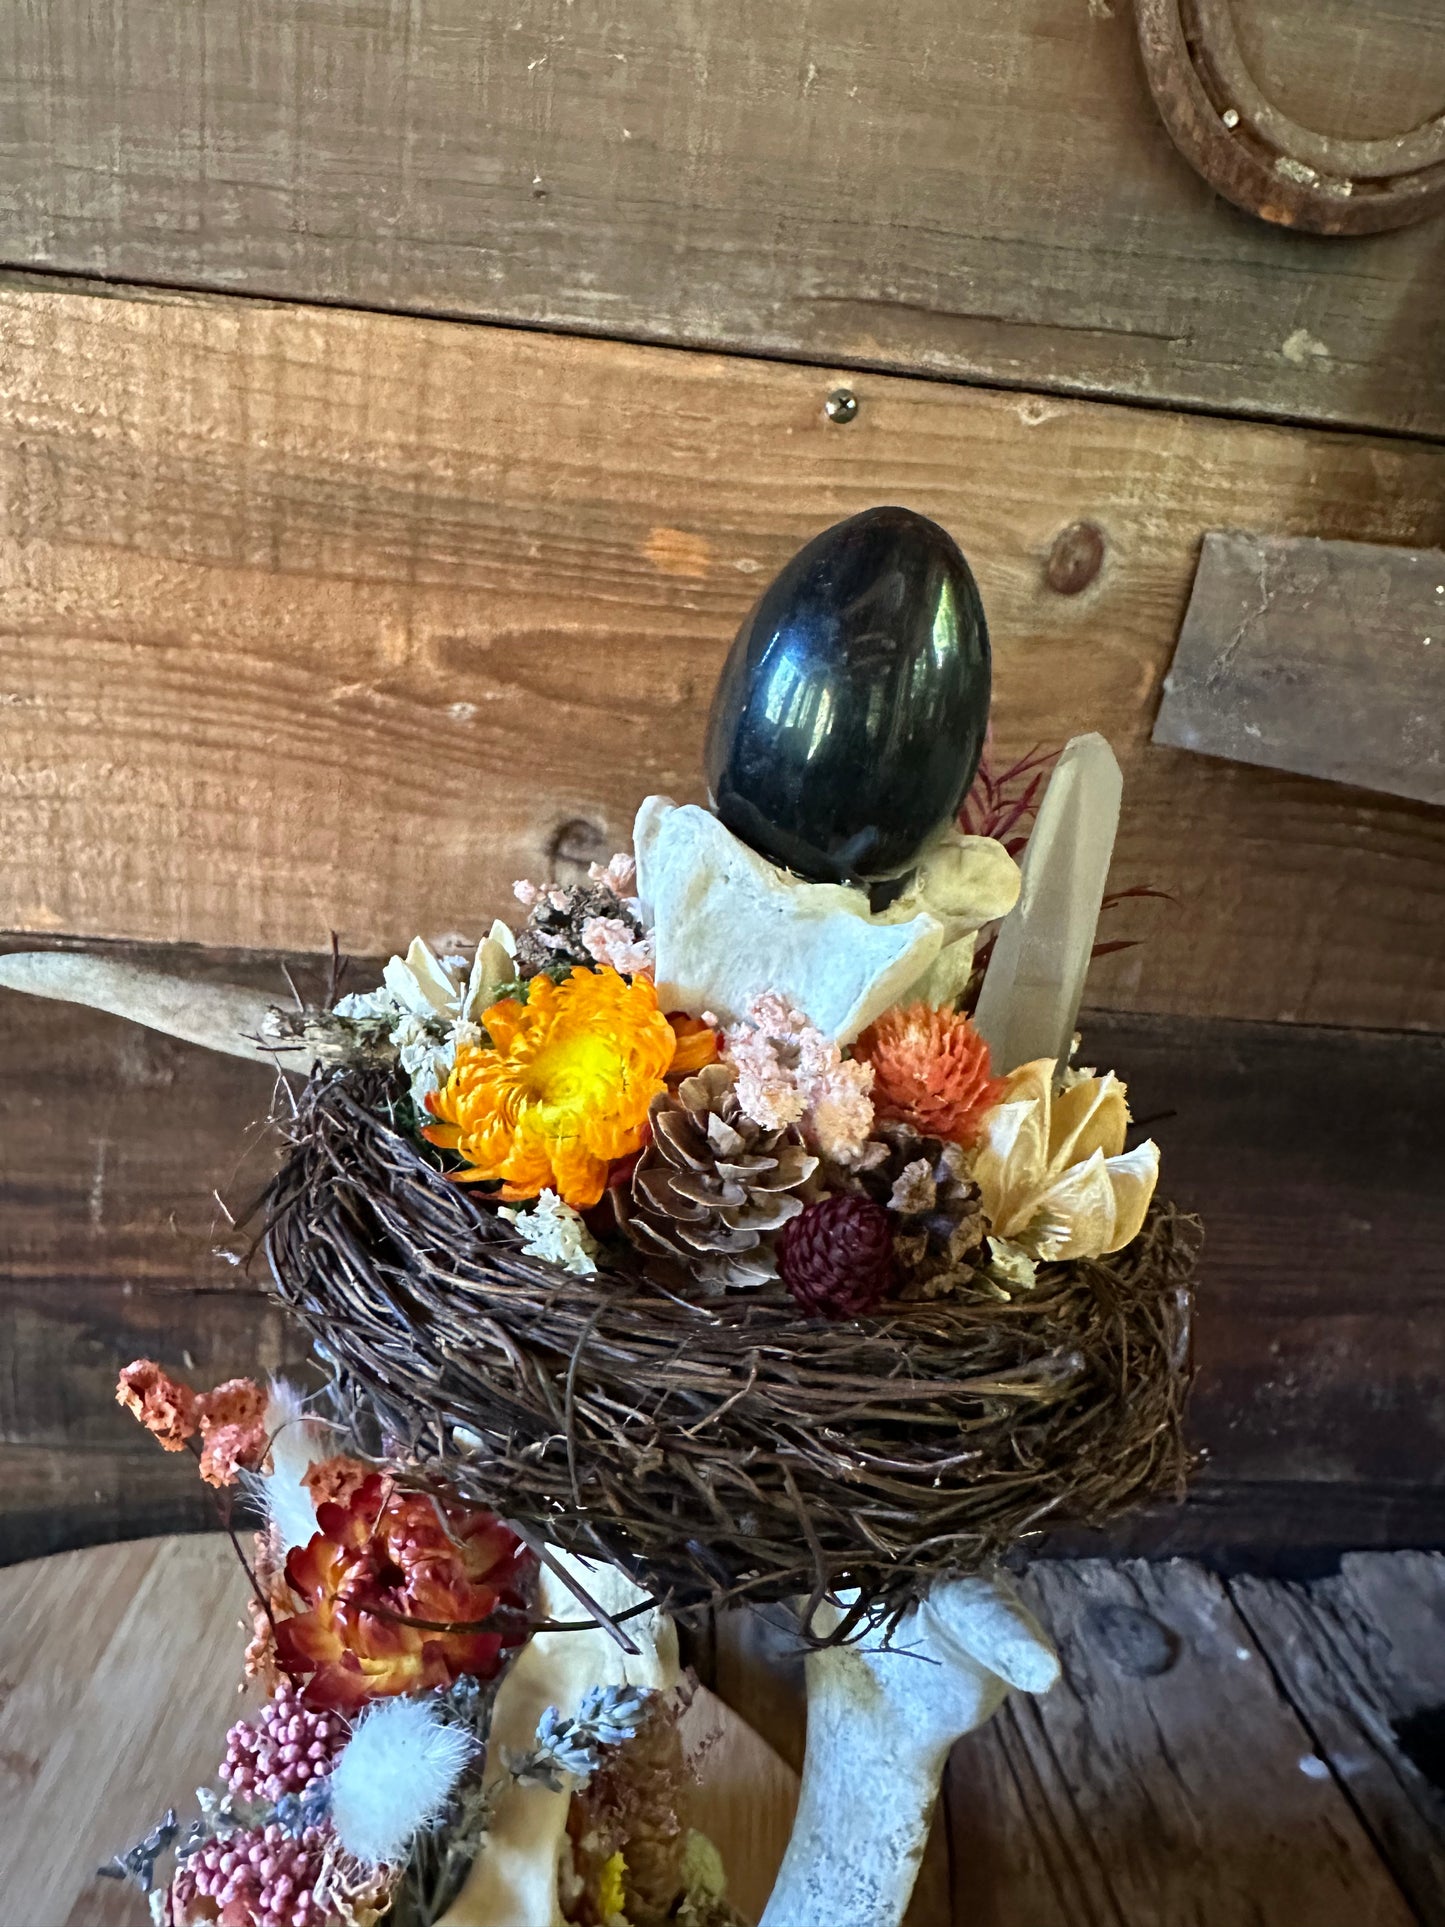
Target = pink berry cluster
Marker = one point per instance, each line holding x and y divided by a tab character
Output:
282	1750
259	1878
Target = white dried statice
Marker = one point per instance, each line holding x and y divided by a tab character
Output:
432	1004
554	1231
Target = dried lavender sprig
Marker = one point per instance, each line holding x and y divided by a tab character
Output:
605	1718
138	1863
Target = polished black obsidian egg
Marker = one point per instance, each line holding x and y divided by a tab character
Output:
850	715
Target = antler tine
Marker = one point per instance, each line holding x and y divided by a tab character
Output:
219	1017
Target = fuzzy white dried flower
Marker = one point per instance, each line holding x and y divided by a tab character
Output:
297	1443
395	1776
554	1231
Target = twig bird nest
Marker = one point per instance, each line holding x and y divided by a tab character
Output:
725	1448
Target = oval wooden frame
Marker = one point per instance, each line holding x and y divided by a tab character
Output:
1256	156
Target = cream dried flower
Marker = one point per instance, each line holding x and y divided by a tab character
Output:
790	1073
554	1231
1053	1170
432	1003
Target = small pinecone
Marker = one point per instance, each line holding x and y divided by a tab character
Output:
552	935
713	1186
938	1209
837	1257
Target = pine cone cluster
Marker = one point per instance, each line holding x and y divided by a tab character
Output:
939	1224
836	1258
713	1187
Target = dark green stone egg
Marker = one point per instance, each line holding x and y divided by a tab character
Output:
850	715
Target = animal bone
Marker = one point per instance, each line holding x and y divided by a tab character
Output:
881	1720
730	926
220	1017
513	1882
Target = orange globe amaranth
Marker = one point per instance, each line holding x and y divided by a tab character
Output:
930	1071
563	1087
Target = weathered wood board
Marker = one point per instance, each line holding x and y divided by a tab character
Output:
1362	1655
1170	1777
121	1669
982	191
1321	1318
1323	657
315	621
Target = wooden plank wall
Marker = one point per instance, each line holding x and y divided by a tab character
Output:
977	190
326	540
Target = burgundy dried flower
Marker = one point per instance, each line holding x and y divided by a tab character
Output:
836	1258
259	1877
282	1750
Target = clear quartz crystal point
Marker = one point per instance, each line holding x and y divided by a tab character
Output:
1035	978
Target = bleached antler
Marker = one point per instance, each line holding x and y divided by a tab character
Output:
881	1721
220	1017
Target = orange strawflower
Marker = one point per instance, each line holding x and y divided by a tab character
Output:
561	1090
930	1071
165	1406
388	1558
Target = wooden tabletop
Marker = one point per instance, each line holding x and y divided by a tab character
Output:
118	1679
1219	1753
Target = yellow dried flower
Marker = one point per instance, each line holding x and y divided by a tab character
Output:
562	1088
611	1894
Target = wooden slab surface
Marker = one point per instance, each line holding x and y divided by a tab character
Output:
315	620
981	190
1320	1333
118	1671
1322	657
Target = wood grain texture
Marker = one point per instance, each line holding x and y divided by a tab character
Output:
1362	1655
1323	657
980	191
1320	1331
318	621
120	1669
1190	1793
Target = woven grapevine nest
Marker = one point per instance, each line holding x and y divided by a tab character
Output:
728	1448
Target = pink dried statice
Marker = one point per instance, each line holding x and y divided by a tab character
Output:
257	1878
612	941
790	1073
282	1750
618	875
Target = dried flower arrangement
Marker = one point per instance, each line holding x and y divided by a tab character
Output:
738	1221
366	1783
872	1311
